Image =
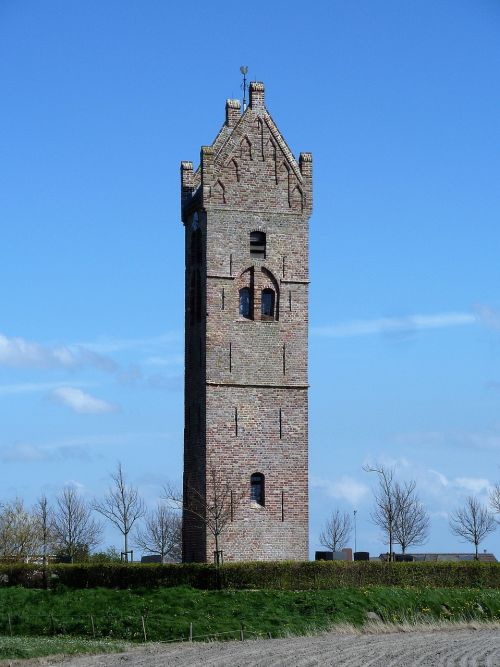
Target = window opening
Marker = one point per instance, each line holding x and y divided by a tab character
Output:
290	300
282	505
222	299
236	422
258	244
257	488
267	304
284	359
281	423
230	357
245	303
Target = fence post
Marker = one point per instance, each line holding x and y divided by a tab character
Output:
144	629
10	624
241	632
190	632
93	626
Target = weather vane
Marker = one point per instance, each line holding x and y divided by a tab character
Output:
244	70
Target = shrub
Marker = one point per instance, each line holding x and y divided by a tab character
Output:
269	575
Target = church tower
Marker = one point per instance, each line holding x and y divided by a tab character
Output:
245	212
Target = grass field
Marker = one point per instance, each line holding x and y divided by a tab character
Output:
168	612
34	647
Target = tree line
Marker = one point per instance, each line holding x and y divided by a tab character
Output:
405	522
70	527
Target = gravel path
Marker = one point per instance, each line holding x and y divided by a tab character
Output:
460	648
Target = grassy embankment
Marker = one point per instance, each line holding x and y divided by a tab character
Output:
169	611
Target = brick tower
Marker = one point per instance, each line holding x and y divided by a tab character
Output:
245	212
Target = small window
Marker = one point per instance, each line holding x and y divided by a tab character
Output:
267	304
245	303
257	488
258	244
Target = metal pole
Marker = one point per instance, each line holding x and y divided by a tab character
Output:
355	536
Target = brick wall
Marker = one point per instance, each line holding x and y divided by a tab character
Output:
246	378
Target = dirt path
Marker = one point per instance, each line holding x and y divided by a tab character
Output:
460	648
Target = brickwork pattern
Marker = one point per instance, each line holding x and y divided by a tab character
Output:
246	379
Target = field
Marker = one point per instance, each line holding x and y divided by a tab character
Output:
168	613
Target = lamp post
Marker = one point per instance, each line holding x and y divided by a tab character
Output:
355	541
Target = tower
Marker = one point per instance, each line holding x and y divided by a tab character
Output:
245	212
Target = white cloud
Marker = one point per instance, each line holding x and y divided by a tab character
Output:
17	352
344	488
80	402
474	484
26	453
31	387
488	316
105	345
389	325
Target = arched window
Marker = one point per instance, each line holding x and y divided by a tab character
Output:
258	244
267	304
257	494
246	303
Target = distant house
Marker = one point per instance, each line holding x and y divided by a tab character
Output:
444	557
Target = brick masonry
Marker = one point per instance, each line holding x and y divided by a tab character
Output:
246	384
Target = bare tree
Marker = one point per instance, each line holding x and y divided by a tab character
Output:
18	531
411	525
495	499
337	531
45	529
386	508
122	506
74	528
213	507
161	534
472	522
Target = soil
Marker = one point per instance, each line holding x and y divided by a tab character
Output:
468	648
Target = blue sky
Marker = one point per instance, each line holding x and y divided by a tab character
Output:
399	103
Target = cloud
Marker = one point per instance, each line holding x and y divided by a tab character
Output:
80	402
26	453
106	345
474	484
468	440
20	353
488	316
31	387
344	488
390	325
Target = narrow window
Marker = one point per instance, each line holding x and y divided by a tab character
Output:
267	304
290	300
245	303
222	299
230	357
257	488
282	505
283	268
196	251
281	423
231	264
232	506
258	244
284	359
236	422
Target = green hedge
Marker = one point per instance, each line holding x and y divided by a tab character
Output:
278	575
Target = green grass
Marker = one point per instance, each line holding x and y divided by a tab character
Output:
169	611
35	647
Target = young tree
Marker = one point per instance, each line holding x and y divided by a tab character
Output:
122	506
411	525
472	522
18	531
161	534
75	530
337	531
214	508
495	499
44	526
385	513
